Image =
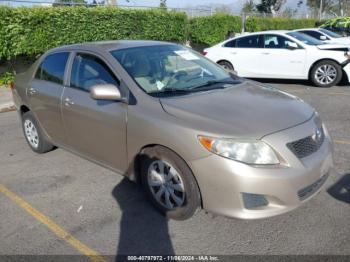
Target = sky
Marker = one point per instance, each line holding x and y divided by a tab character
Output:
236	4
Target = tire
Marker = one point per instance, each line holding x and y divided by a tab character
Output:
333	77
226	65
34	135
188	202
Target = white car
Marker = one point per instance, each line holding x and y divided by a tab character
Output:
325	36
283	55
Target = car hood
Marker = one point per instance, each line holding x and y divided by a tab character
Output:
342	40
334	46
248	110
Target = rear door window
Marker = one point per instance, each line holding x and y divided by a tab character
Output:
276	41
53	67
231	43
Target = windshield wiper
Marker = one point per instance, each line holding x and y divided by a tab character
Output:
170	90
214	82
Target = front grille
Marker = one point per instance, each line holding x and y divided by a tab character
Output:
311	189
308	145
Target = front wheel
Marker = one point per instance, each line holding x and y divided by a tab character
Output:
326	74
169	183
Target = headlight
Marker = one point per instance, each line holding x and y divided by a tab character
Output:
247	151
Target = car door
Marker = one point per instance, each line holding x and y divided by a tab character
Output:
94	128
44	94
281	61
243	53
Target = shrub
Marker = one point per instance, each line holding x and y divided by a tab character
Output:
210	30
30	31
7	78
254	24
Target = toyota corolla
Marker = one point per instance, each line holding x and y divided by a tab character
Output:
195	135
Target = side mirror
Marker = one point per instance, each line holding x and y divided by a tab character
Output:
105	92
292	46
323	38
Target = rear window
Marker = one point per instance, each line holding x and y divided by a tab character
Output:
52	68
249	42
231	44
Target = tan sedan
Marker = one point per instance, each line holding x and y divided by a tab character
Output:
195	135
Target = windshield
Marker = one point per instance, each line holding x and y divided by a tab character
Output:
170	68
305	38
330	33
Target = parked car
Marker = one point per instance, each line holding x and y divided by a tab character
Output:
195	135
325	36
283	55
340	25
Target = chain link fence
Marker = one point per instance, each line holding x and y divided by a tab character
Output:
203	10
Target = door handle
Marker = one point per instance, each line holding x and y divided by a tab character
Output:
68	102
234	53
266	53
31	91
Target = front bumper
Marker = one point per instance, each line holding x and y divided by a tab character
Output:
346	69
225	183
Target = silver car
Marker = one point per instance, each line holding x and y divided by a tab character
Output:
196	136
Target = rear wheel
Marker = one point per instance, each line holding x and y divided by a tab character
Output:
169	183
326	74
226	65
33	134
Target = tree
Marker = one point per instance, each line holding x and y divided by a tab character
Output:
68	2
163	4
315	5
270	6
249	7
289	12
223	9
335	7
344	7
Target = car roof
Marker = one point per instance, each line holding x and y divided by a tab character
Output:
272	32
110	45
301	29
259	33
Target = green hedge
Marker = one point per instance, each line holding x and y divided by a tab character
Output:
30	31
211	30
254	24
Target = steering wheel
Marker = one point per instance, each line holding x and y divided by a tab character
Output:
176	76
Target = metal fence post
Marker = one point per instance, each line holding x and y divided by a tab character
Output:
243	16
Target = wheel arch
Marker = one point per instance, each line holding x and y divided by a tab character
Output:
321	60
23	109
224	60
134	170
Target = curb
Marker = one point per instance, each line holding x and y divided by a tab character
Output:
6	100
7	107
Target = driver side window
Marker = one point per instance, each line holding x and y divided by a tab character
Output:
89	70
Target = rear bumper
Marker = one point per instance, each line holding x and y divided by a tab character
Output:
225	184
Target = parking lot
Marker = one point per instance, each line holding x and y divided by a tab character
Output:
58	203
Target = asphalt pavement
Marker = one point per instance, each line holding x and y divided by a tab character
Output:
59	203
